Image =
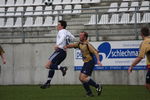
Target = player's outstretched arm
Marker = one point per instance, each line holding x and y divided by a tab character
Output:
70	46
135	62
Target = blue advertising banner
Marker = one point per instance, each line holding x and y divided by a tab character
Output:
114	55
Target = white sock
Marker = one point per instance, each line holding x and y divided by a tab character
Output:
59	66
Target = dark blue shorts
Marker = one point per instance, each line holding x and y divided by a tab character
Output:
58	56
88	68
148	77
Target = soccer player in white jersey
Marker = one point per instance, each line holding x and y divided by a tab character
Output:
63	38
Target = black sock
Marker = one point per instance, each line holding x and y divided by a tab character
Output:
87	88
61	68
93	83
50	75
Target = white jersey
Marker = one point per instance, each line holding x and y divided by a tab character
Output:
63	38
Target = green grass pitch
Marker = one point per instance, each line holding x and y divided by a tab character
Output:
73	92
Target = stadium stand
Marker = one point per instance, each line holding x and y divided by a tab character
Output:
112	15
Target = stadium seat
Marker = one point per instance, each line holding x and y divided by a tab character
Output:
9	22
133	5
123	6
29	11
38	21
48	10
104	19
56	20
95	1
19	10
19	2
93	19
128	0
138	18
2	10
10	3
48	21
66	2
86	1
18	22
10	11
114	19
144	3
38	10
28	2
55	2
58	8
146	18
125	18
2	22
28	22
113	7
67	9
76	1
38	2
2	2
77	9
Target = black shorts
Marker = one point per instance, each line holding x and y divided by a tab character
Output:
148	76
58	56
88	68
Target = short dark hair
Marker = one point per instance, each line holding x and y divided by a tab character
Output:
145	31
85	34
63	23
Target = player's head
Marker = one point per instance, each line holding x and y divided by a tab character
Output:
145	31
83	36
61	25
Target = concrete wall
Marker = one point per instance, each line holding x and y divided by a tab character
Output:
25	66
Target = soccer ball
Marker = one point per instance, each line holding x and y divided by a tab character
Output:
48	2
